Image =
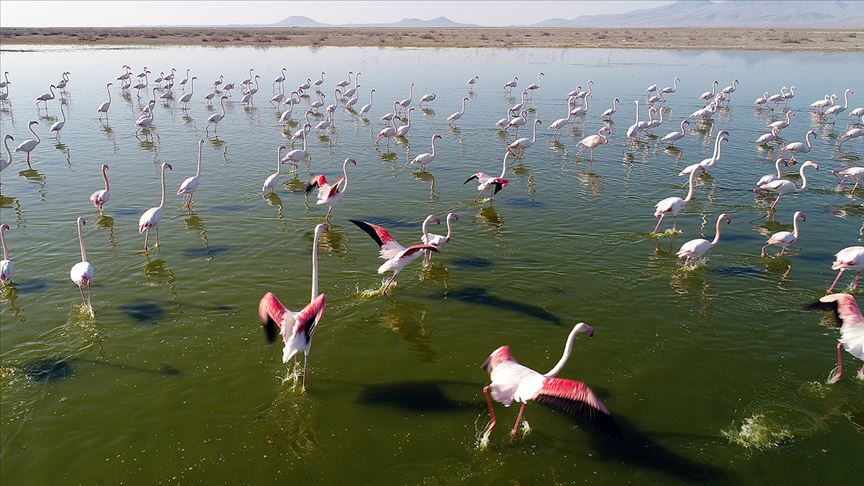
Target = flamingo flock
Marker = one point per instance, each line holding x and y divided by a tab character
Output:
510	381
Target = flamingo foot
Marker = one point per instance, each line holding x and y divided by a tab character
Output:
835	375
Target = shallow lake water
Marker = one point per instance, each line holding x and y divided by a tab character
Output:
715	373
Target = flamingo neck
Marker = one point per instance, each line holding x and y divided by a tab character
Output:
304	139
34	134
682	126
425	231
370	97
315	264
80	243
795	226
803	178
8	152
192	87
162	201
504	165
222	104
788	117
615	104
716	232
568	349
692	185
717	146
279	158
449	222
463	104
198	166
846	99
345	176
534	133
105	176
717	154
777	166
433	145
109	93
807	139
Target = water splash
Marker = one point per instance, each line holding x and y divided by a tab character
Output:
760	433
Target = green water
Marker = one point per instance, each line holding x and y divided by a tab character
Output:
715	374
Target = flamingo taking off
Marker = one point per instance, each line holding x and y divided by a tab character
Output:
330	193
851	330
850	258
495	184
82	273
513	382
100	198
190	185
6	267
296	328
699	247
397	256
784	238
153	216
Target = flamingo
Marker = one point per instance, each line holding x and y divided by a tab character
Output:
426	158
325	124
319	103
781	124
560	123
584	94
403	130
765	138
857	112
6	82
397	256
670	89
651	89
674	205
6	267
818	105
518	106
56	127
145	121
190	185
800	147
851	330
351	92
771	177
4	95
100	198
209	97
387	117
186	98
296	155
302	131
699	247
850	134
707	164
104	107
227	88
82	273
652	123
306	85
45	97
280	79
704	113
791	94
426	98
851	174
728	90
509	85
762	100
245	82
170	77
581	110
511	381
456	116
185	80
296	328
673	137
319	81
330	194
141	85
407	101
8	161
517	121
782	187
524	143
850	258
272	179
342	84
776	98
495	184
532	87
710	94
28	145
837	109
152	217
471	82
592	141
633	130
215	118
611	111
387	132
784	238
438	241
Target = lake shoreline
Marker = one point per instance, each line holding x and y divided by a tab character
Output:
773	39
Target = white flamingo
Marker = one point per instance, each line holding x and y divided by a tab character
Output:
524	143
104	107
782	187
30	144
456	116
784	239
153	216
101	197
190	185
82	272
674	205
673	137
215	118
425	159
699	247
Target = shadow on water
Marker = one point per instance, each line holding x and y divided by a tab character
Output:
472	262
421	396
52	369
205	252
144	312
481	296
31	286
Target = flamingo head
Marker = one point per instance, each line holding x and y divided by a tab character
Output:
590	82
224	98
497	357
320	228
351	161
810	163
110	84
800	215
104	167
436	136
812	132
538	122
34	122
81	221
452	217
582	327
617	100
4	227
726	218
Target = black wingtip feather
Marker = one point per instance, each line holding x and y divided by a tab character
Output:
368	229
498	187
826	306
586	413
271	330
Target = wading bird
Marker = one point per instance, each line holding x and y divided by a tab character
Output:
698	247
104	107
190	185
273	179
6	267
100	198
426	158
851	330
784	238
82	273
850	258
153	216
781	187
215	118
495	184
674	205
397	256
330	194
28	145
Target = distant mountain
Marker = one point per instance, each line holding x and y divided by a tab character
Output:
299	21
731	13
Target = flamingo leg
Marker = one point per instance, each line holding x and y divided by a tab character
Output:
763	250
775	202
837	372
491	410
686	260
89	299
305	365
835	280
674	222
855	283
518	420
146	235
83	298
389	282
658	223
157	236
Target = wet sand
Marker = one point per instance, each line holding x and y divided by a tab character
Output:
682	38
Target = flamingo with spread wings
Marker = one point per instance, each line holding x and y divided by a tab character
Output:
397	256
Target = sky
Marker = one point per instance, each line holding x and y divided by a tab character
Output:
137	13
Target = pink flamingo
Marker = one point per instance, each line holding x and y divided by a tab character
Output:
511	381
781	124
82	273
330	194
785	238
766	138
851	330
673	137
593	141
800	147
397	256
851	174
698	247
782	187
771	177
850	258
296	328
152	217
674	205
437	240
6	267
488	182
708	163
99	198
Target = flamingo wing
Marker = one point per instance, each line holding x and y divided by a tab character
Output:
333	190
317	181
413	249
576	399
389	246
844	307
307	319
499	183
272	313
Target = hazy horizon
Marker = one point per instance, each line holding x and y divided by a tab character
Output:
163	13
